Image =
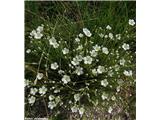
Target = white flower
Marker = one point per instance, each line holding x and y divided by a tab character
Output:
77	97
118	36
81	111
80	47
31	100
127	73
105	50
51	104
104	82
40	76
100	69
56	91
80	35
110	35
55	45
28	50
54	66
106	36
65	51
79	70
74	109
39	29
94	71
42	90
131	22
122	61
96	47
125	46
110	73
60	71
53	42
33	91
51	97
113	98
93	53
33	33
66	79
108	27
104	96
101	35
75	61
88	60
26	83
57	99
77	39
87	32
38	35
79	58
110	110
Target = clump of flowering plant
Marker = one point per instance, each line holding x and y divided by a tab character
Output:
93	68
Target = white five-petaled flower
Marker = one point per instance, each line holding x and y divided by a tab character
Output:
101	35
79	58
88	60
65	51
77	39
100	69
93	53
77	97
79	70
105	50
113	98
110	110
37	33
66	79
33	91
60	72
74	109
104	96
31	100
75	61
42	90
118	36
80	35
131	22
104	82
127	73
51	97
94	71
51	104
28	51
56	91
96	47
81	111
122	61
110	35
53	42
39	29
40	76
54	66
106	36
80	47
125	46
108	27
87	32
26	83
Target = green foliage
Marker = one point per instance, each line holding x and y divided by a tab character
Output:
64	21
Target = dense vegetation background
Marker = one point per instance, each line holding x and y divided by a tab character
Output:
70	18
